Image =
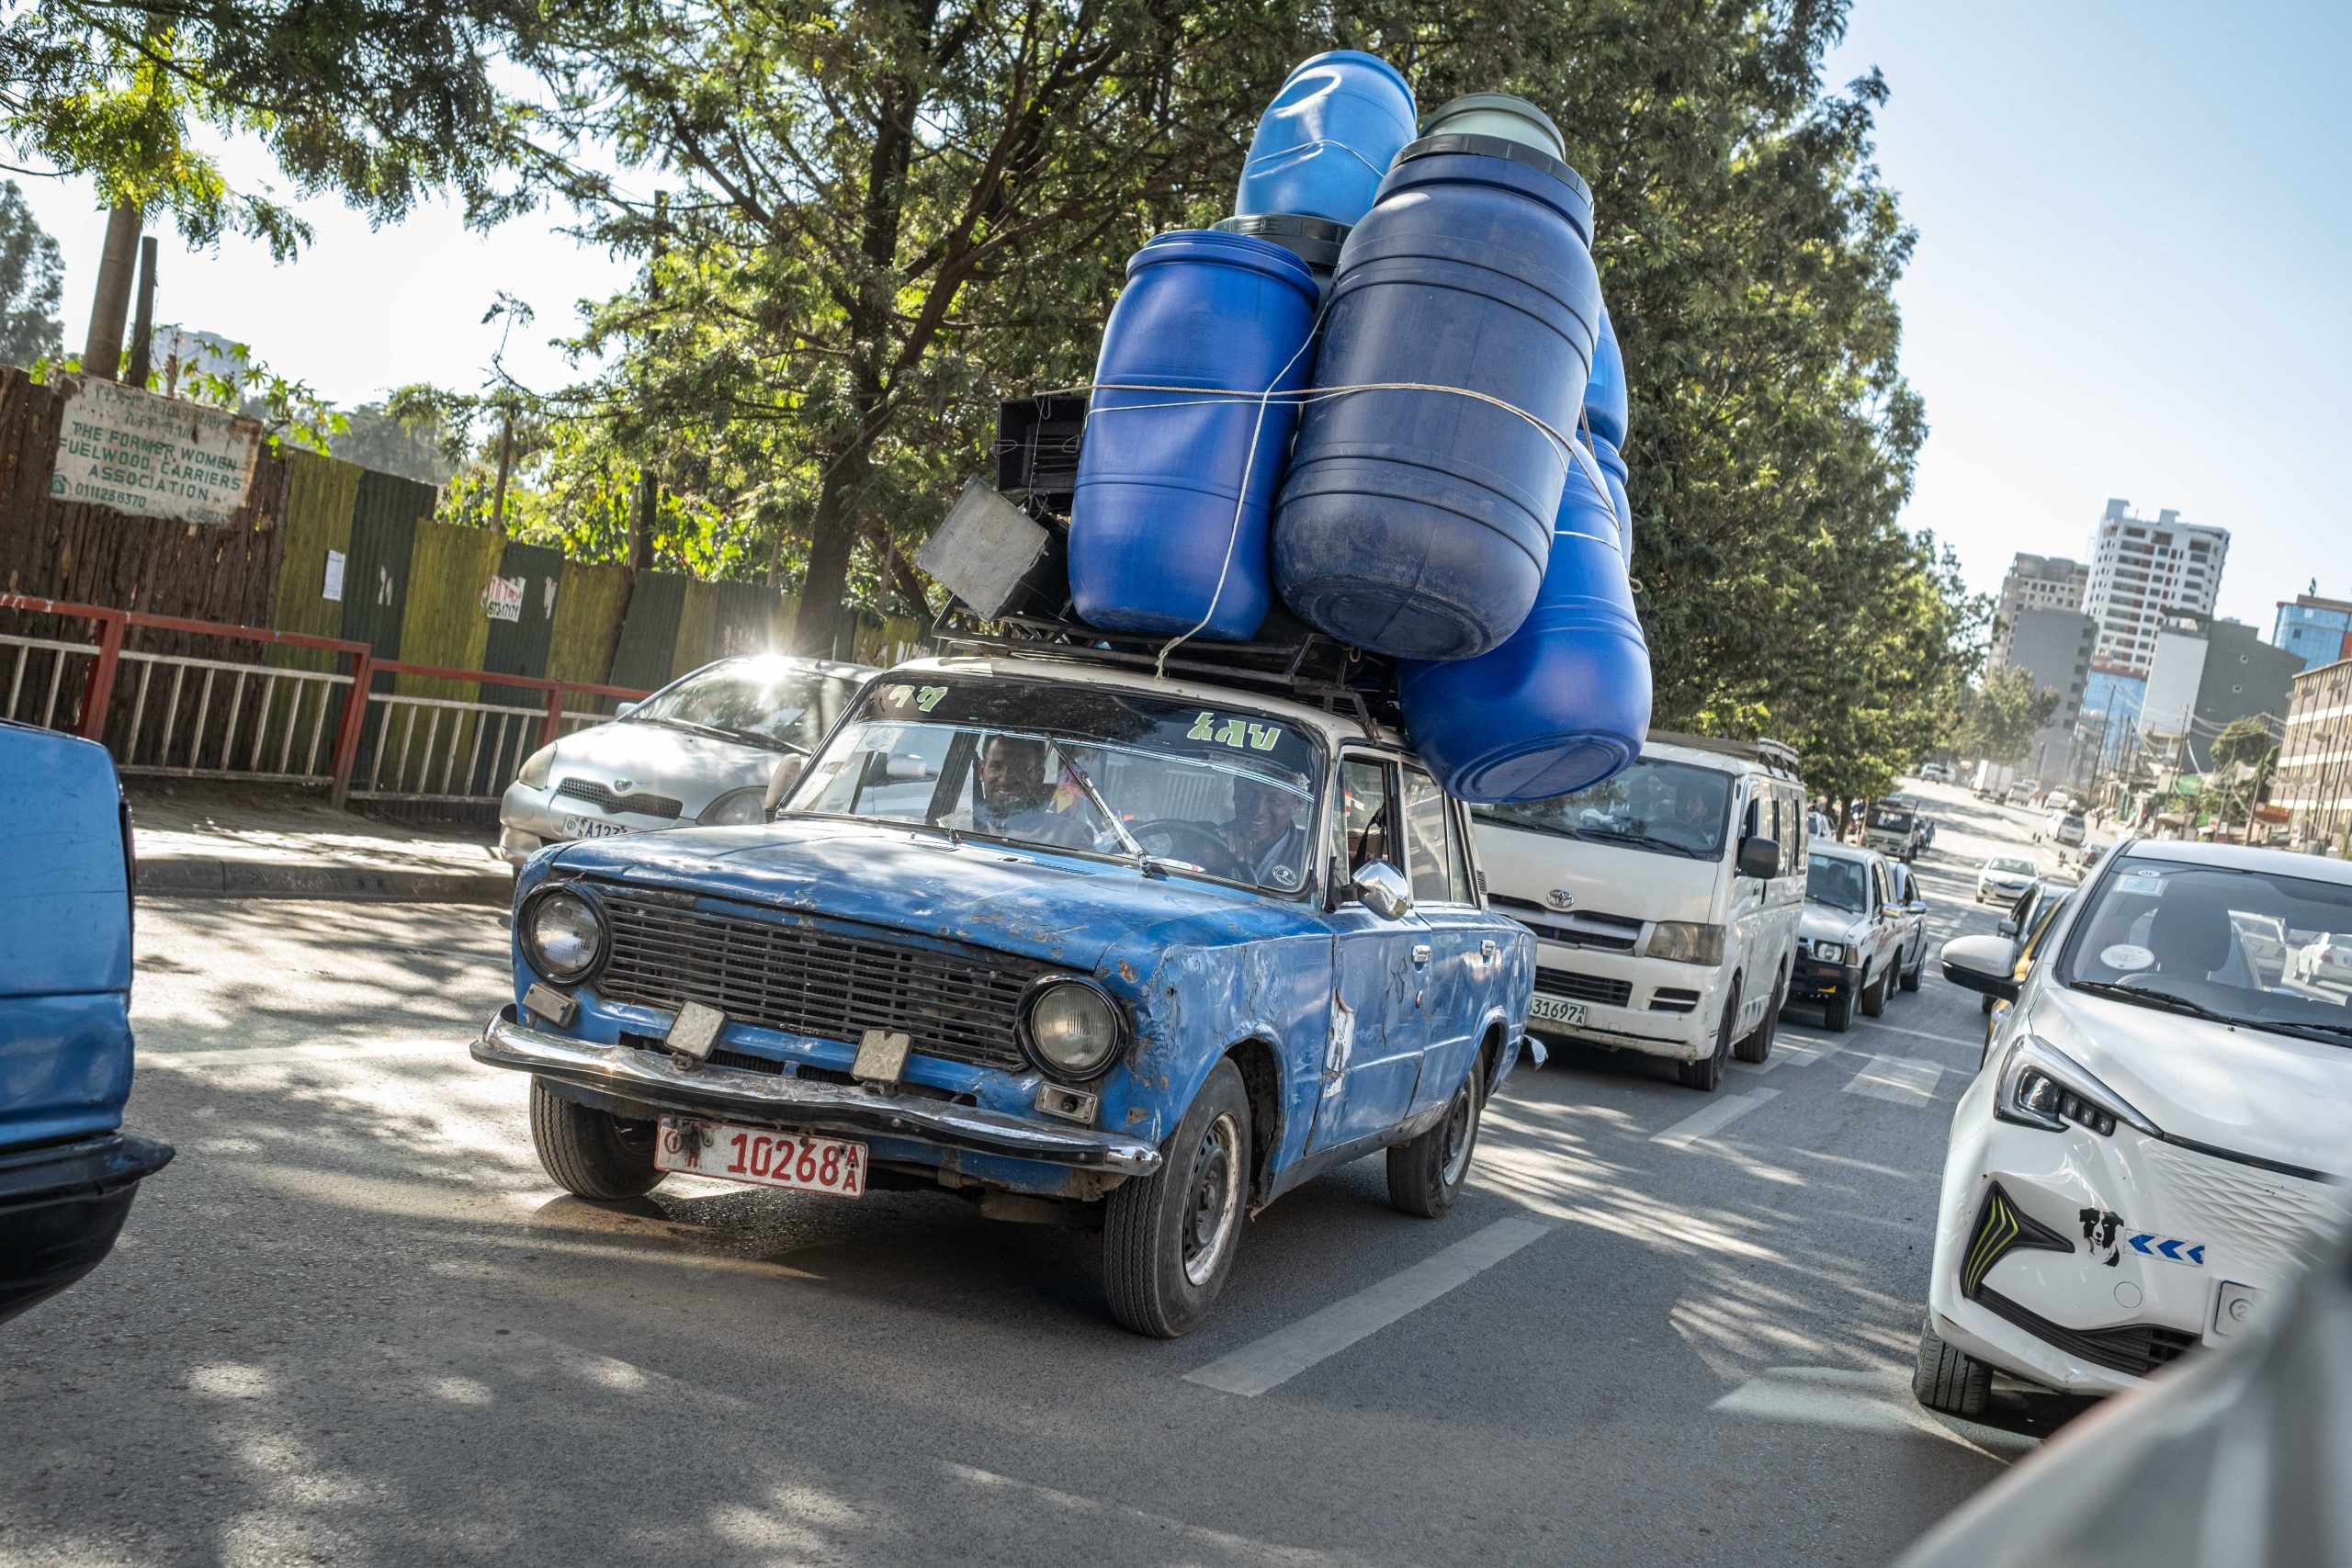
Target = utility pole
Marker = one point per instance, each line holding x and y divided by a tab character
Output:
648	483
143	321
102	351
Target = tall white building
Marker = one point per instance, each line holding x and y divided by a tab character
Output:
2036	583
2140	569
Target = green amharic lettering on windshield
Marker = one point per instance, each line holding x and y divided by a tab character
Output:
1235	732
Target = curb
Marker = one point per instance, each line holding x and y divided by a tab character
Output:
196	876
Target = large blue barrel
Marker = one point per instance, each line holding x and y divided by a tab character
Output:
1604	394
1416	522
1168	525
1566	701
1612	469
1327	139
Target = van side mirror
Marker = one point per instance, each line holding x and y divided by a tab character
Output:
787	774
1981	963
1758	857
1383	890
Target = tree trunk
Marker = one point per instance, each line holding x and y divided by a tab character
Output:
505	468
102	351
142	320
816	626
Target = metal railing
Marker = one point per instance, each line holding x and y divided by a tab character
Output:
196	716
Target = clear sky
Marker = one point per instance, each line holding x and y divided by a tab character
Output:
2133	221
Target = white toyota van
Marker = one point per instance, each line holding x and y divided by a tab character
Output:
1664	901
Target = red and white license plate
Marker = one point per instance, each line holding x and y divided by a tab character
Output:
800	1161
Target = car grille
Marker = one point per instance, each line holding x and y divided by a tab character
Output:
1578	927
1584	987
2245	1213
2135	1349
640	803
1669	998
829	983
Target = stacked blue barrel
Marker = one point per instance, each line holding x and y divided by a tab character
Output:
1384	389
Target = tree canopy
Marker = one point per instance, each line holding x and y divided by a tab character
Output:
31	282
1999	715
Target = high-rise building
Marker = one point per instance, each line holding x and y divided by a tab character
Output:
2036	583
2316	630
2140	569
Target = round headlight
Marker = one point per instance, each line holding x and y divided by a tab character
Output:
735	808
1073	1028
562	935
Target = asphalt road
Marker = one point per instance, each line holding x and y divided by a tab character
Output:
353	1324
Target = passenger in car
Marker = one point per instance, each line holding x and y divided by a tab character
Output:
1013	799
1265	833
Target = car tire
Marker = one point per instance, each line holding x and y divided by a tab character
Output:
1918	967
1837	1013
1758	1045
1874	994
1950	1381
1705	1072
1427	1174
591	1153
1160	1274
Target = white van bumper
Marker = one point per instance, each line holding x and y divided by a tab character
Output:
1650	1005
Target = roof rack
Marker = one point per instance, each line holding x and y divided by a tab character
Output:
1774	756
1295	661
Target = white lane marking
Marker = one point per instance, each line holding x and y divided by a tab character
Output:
1917	1033
1283	1354
1200	1543
1906	1081
1726	1109
1861	1401
268	1055
1796	1053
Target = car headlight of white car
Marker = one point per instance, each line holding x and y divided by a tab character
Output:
736	808
1683	941
2040	1086
1829	952
535	768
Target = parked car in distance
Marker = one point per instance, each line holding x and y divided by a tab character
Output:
1934	773
67	1170
2326	959
1139	954
700	751
1664	901
1909	910
2004	877
2156	1141
1847	938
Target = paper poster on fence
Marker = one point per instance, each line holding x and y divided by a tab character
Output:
153	455
503	598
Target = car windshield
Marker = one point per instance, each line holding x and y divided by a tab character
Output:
1837	883
1655	805
2011	863
1223	793
2247	947
775	702
1891	819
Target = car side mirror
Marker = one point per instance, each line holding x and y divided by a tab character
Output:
2009	926
626	709
1917	907
1383	890
787	774
1758	857
1981	963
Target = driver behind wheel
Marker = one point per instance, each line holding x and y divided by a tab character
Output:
1265	834
1013	799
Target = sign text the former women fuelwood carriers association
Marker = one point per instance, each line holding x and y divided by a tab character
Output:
150	455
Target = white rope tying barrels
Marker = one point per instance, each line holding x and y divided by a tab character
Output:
1567	447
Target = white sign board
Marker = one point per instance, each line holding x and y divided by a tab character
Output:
153	455
503	598
334	589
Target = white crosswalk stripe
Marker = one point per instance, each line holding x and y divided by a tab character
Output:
1906	1081
1727	1109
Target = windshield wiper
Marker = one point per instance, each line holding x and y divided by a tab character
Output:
1610	836
2165	1001
1128	841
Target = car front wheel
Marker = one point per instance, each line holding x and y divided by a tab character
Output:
1874	994
1169	1238
1947	1380
1708	1070
1838	1013
592	1153
1428	1173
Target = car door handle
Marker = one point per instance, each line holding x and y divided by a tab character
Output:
1420	952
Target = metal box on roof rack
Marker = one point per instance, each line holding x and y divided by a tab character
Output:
1037	442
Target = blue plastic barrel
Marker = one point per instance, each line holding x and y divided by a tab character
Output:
1612	468
1566	701
1416	520
1323	144
1604	394
1168	525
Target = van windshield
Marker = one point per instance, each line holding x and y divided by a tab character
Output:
1655	805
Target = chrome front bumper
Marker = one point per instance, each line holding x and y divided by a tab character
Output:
657	1080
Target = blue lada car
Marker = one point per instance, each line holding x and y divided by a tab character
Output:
1141	952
